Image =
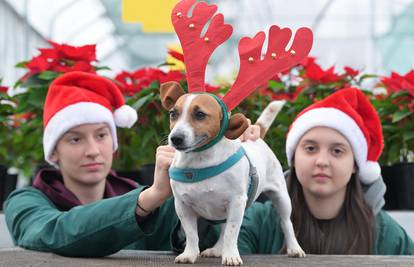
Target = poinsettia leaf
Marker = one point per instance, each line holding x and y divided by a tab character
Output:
21	65
18	83
394	152
408	136
399	94
141	101
48	75
102	68
165	64
401	114
34	82
390	128
275	85
367	76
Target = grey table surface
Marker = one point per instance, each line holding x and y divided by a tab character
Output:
11	257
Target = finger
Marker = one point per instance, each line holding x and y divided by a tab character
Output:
166	155
249	122
165	148
243	137
256	132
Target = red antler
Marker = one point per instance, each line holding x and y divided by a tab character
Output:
197	49
254	70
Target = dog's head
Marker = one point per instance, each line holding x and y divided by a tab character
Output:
196	119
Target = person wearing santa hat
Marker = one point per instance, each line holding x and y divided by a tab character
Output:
334	183
81	207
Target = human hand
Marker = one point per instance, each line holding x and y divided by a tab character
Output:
160	190
163	160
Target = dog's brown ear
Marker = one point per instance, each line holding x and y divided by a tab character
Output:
169	93
237	125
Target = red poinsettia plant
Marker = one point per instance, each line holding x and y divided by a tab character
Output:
61	58
32	88
141	90
396	110
300	86
6	112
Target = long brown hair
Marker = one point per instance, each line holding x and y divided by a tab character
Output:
351	232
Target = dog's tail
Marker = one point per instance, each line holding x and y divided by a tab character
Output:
268	115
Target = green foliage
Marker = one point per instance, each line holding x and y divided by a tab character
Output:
397	119
139	143
27	135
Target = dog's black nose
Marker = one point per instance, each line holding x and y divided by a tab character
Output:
177	140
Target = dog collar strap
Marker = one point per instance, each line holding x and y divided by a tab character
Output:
197	175
223	126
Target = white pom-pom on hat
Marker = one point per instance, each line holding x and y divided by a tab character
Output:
369	172
125	116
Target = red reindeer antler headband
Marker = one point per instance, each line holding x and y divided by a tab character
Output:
254	70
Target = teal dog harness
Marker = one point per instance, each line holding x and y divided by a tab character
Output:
189	175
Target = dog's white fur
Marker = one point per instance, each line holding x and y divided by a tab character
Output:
224	196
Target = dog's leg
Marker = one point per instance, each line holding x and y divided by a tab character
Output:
189	222
216	250
231	254
281	202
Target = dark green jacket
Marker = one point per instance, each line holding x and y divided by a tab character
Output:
96	229
107	226
261	233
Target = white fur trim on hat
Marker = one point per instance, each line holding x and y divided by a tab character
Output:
343	123
72	116
125	116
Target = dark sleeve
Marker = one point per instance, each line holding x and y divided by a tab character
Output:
391	237
93	230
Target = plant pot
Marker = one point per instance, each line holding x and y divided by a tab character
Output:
147	174
399	179
8	183
143	176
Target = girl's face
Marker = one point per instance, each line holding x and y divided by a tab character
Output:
84	154
324	162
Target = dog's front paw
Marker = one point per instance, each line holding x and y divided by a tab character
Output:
232	260
185	258
211	253
296	252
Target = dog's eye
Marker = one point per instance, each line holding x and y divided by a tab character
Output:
173	114
199	115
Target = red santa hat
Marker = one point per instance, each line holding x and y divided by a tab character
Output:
77	98
349	112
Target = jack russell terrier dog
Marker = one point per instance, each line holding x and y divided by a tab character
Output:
214	175
224	194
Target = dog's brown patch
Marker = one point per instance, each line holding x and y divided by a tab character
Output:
169	93
210	125
237	125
